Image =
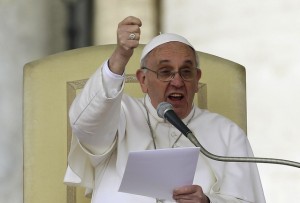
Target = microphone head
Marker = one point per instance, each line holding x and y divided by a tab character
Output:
162	108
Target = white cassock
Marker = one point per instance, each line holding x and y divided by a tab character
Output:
110	124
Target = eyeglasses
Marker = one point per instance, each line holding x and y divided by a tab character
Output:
166	75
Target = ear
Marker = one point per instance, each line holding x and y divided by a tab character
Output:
198	76
141	77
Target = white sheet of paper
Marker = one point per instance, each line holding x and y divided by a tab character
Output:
156	173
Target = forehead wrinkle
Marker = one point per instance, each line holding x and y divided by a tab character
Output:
188	61
164	61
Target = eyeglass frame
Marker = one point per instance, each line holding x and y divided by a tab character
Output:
171	77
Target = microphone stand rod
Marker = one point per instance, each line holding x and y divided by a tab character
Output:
193	139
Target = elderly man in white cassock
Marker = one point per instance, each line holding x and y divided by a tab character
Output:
105	128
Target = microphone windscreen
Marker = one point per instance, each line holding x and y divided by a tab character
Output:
162	108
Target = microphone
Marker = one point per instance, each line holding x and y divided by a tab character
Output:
165	110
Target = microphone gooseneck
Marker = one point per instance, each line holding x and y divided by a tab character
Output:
165	110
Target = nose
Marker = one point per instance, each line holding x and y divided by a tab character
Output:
177	80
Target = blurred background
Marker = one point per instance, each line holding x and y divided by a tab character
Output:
264	36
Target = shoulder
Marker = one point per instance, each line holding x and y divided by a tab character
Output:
211	117
218	133
217	123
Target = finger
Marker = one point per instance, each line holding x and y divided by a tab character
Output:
131	20
133	36
187	189
129	29
129	39
125	38
129	25
125	31
189	193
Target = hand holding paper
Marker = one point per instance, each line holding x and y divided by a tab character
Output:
156	173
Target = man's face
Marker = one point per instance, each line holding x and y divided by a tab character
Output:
178	92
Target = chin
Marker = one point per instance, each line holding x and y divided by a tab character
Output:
181	113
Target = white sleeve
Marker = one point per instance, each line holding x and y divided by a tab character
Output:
93	110
112	82
94	134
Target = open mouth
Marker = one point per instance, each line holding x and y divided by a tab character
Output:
176	97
